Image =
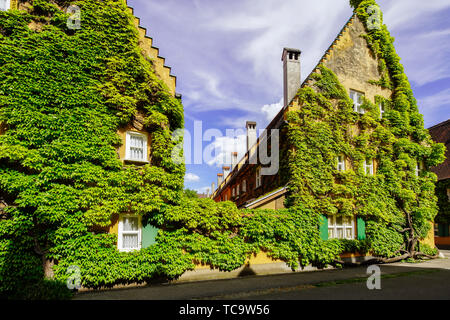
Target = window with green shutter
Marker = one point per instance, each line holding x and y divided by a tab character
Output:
323	229
361	227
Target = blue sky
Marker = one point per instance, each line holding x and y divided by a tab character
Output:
227	56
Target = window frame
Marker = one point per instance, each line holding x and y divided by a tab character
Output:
420	167
332	225
371	166
382	109
121	232
244	186
128	147
357	104
341	163
258	178
448	194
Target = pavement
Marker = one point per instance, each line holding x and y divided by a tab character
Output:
424	280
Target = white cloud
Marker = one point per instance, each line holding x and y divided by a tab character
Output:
190	177
436	106
271	110
224	146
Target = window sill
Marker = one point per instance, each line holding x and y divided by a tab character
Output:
136	161
129	250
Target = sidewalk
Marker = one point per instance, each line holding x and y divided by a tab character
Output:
241	286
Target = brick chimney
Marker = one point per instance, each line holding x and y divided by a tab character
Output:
292	73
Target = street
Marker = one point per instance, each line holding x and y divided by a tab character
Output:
409	281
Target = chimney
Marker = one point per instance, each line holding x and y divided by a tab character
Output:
251	134
291	72
219	179
213	187
226	171
234	160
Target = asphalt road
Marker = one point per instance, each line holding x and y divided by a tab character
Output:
426	280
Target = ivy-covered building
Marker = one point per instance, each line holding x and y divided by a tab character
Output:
91	186
441	134
352	142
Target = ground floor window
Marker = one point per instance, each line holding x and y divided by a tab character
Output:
130	233
340	227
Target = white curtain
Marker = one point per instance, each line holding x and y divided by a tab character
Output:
130	241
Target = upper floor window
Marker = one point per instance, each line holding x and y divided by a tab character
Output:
233	193
5	5
341	163
258	177
419	168
341	227
368	167
357	98
136	147
244	186
130	233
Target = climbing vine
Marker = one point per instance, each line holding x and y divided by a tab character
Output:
64	94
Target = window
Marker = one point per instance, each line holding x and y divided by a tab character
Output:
258	177
226	198
136	147
233	193
237	190
341	163
244	186
448	194
357	101
419	168
341	228
4	5
368	167
381	110
129	233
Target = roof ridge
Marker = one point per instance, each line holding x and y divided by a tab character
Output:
439	124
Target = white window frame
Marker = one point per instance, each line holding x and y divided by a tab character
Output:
128	147
382	110
233	192
333	227
369	166
357	101
419	167
258	178
341	167
7	6
244	186
122	232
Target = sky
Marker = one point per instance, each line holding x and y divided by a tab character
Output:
226	56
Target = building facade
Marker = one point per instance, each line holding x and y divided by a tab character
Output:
358	70
441	134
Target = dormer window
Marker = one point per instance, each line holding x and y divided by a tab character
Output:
357	98
136	147
341	163
5	5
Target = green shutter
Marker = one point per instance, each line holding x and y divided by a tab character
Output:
149	234
323	229
361	227
443	230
